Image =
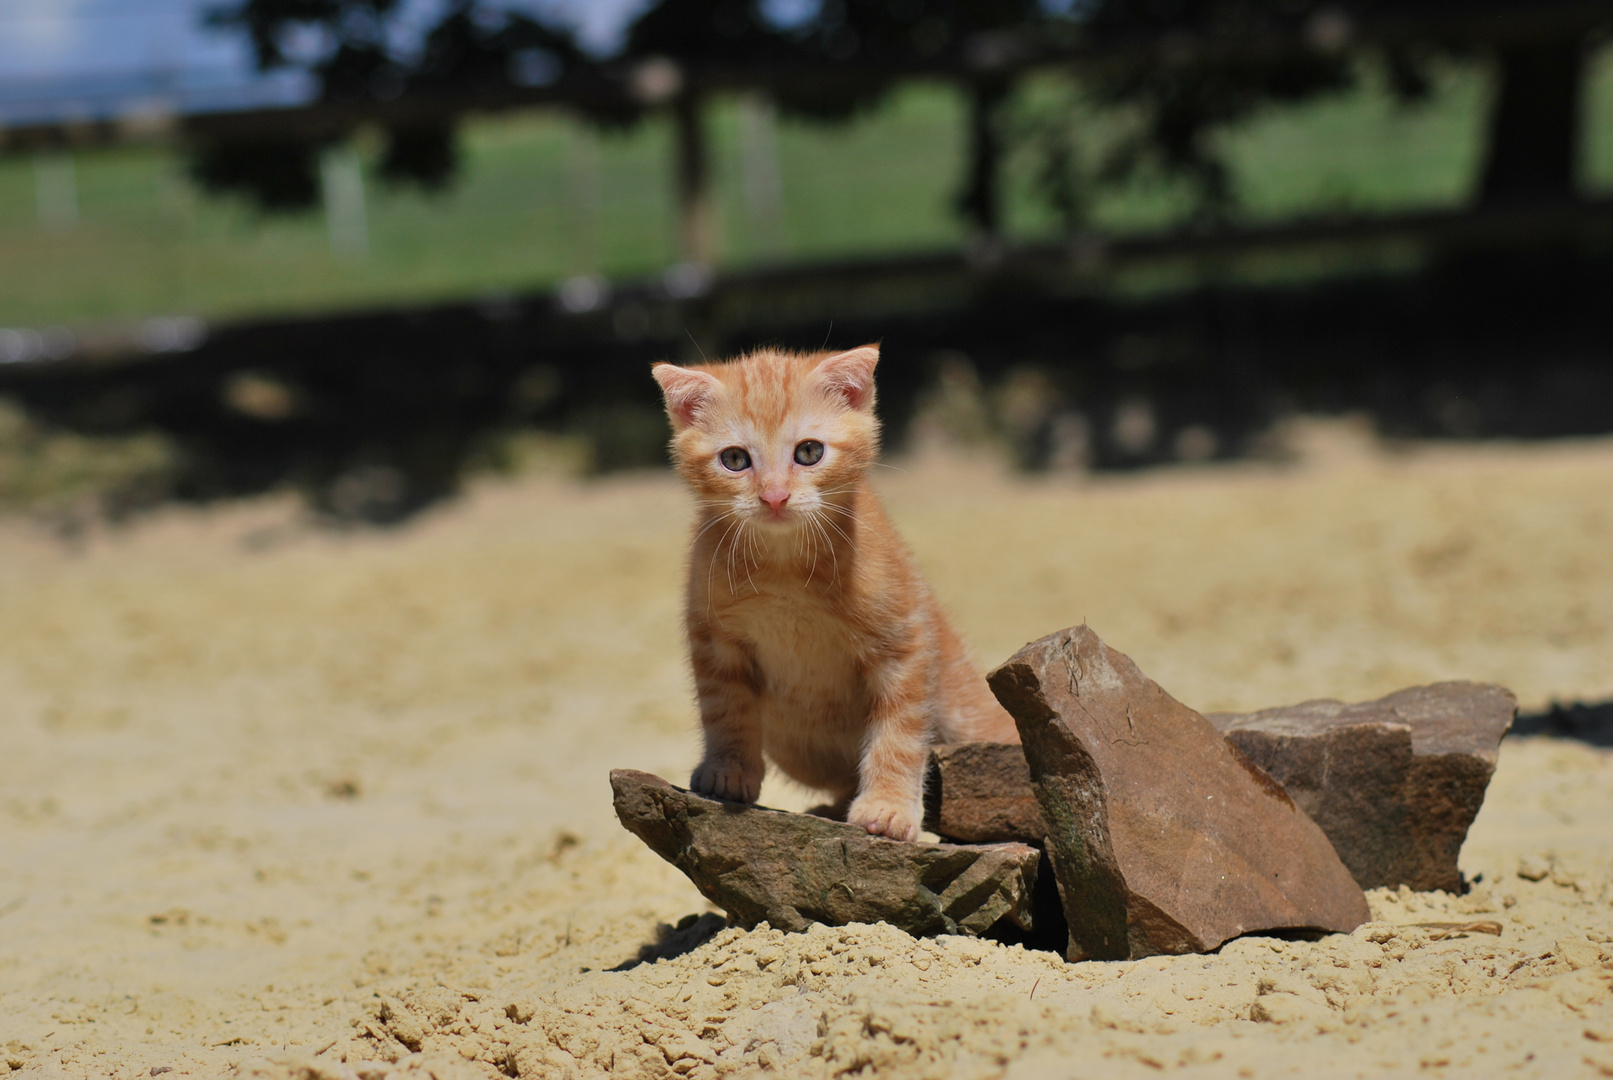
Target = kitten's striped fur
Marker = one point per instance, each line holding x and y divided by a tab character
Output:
814	639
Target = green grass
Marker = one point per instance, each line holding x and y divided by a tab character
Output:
1366	153
541	198
1596	153
147	241
882	183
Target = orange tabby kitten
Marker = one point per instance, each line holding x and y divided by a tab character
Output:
813	638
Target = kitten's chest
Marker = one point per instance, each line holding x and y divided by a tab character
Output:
802	646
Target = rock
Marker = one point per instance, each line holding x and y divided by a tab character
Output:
980	793
1394	783
1534	868
1163	839
792	870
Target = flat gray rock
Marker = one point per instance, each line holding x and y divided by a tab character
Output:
1162	837
1395	783
792	870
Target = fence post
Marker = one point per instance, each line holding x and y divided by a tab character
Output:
342	186
55	190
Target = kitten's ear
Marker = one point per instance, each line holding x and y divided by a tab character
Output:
686	392
850	375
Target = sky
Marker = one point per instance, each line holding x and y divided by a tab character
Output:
66	57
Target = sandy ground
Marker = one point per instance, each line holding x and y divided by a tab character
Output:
275	799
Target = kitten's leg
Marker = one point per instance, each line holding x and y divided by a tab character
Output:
890	779
727	683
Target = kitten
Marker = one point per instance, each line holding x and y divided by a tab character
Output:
814	640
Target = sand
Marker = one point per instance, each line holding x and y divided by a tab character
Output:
299	803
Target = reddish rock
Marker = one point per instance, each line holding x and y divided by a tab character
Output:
1395	783
1162	837
980	793
795	869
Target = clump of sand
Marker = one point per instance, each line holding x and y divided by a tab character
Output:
838	1001
304	804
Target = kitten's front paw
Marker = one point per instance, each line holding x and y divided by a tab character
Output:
728	780
886	818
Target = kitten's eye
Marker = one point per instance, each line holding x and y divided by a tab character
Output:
735	459
808	452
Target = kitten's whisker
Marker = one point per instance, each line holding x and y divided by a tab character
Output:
807	544
829	522
707	526
747	560
696	345
736	523
718	520
855	524
819	534
833	555
757	551
817	525
711	569
808	536
731	534
740	550
711	564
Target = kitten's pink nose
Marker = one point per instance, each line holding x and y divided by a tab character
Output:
776	498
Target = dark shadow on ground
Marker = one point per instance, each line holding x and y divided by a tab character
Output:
1590	723
1051	933
672	942
375	416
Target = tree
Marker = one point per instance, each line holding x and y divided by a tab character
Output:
1534	129
1187	67
1193	66
475	53
843	58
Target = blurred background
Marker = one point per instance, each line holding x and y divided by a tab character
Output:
1270	338
365	248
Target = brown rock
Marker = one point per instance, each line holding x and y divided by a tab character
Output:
1394	783
980	793
792	870
1163	839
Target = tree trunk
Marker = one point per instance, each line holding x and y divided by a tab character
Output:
980	201
1534	125
696	224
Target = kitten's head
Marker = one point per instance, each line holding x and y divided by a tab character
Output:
772	437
